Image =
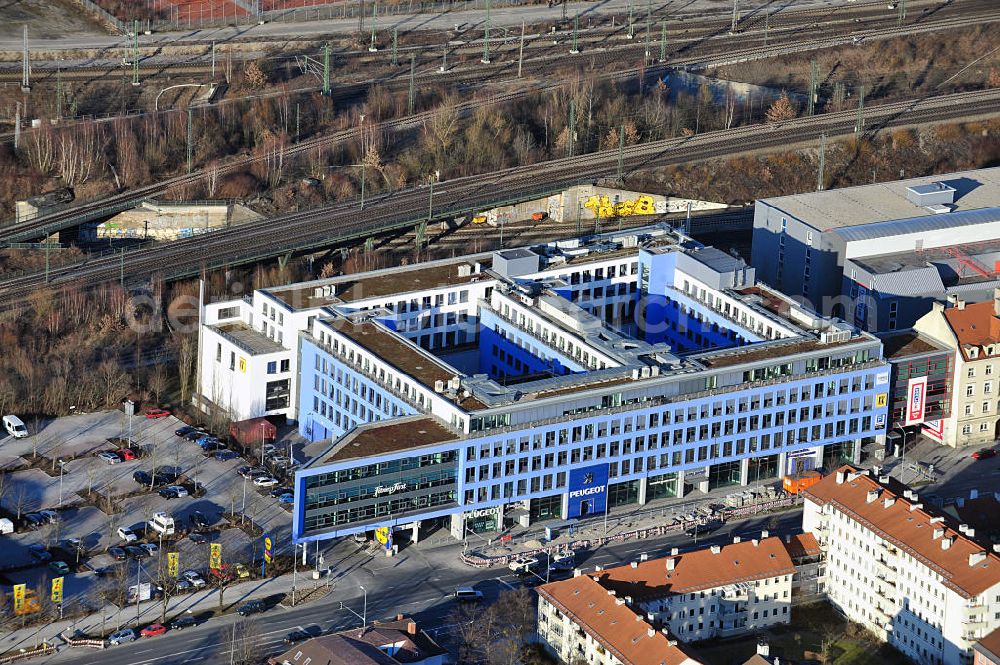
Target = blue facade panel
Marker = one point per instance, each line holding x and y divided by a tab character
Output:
588	491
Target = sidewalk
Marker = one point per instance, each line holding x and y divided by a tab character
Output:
695	507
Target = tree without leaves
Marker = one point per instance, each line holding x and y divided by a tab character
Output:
497	634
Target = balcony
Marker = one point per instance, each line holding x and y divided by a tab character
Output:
886	567
889	547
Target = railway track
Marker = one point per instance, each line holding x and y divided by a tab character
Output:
595	60
340	223
681	35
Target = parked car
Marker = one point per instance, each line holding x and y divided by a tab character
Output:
242	572
105	571
50	516
251	607
165	477
173	492
265	481
152	548
226	455
127	534
186	429
183	622
198	520
118	553
153	629
40	555
984	453
278	491
466	594
198	538
59	567
122	637
194	435
157	413
136	552
183	585
33	520
127	454
280	460
270	449
142	477
286	498
212	445
110	458
194	577
205	438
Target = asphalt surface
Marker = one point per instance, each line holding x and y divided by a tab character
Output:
416	583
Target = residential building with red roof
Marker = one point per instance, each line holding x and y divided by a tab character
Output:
911	573
639	612
973	331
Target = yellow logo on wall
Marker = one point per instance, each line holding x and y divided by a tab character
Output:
881	400
243	364
603	206
382	534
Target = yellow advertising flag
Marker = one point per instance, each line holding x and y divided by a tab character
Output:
215	559
57	590
268	544
173	563
382	534
19	590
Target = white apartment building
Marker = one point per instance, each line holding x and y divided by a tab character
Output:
580	620
909	573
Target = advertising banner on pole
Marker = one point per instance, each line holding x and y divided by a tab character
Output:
215	556
57	590
173	563
19	590
268	544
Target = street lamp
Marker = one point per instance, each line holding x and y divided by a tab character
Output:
364	611
62	468
902	452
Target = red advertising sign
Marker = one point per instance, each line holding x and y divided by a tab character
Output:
916	400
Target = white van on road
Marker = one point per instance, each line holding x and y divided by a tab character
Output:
15	427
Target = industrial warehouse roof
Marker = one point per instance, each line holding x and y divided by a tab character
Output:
699	570
906	523
919	224
610	622
867	204
386	437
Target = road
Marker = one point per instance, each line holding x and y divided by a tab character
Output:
344	222
416	583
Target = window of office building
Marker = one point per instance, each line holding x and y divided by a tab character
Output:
622	494
762	468
661	487
724	475
546	508
836	454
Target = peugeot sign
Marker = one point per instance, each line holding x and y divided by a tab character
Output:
588	491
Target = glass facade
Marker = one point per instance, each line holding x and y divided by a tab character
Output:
546	508
724	475
661	487
622	494
836	454
382	491
762	468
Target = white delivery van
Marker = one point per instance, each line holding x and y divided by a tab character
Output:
15	427
162	523
6	525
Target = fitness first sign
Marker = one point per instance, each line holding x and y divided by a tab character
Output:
588	491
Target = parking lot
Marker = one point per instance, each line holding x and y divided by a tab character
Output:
58	469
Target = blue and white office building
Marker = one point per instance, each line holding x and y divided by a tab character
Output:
549	382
